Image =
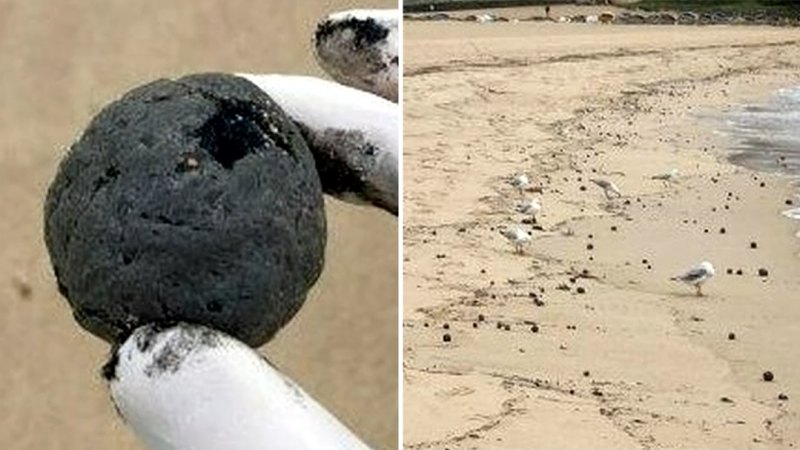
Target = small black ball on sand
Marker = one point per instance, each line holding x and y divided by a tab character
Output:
753	245
23	288
731	336
535	328
447	338
762	272
446	326
783	397
768	376
586	373
192	200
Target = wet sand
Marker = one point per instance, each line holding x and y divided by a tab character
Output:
622	357
61	64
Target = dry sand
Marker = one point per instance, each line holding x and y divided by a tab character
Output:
62	61
637	361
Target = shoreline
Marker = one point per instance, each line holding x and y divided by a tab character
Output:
765	134
634	361
604	15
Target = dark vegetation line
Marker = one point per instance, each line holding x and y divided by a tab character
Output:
737	6
453	5
790	8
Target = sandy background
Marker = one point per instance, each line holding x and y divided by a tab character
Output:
636	361
62	61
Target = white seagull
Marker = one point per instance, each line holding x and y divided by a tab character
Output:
667	178
520	182
530	206
518	237
608	187
696	276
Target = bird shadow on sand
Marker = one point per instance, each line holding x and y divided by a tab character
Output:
686	295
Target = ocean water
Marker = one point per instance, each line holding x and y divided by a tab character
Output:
767	136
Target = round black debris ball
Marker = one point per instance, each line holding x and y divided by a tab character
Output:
192	200
768	376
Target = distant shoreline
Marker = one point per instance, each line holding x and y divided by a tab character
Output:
784	9
458	5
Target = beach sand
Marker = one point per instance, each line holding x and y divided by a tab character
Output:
636	360
61	64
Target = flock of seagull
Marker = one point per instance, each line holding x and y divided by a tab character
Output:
520	238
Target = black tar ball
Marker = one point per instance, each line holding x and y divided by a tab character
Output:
768	376
191	200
